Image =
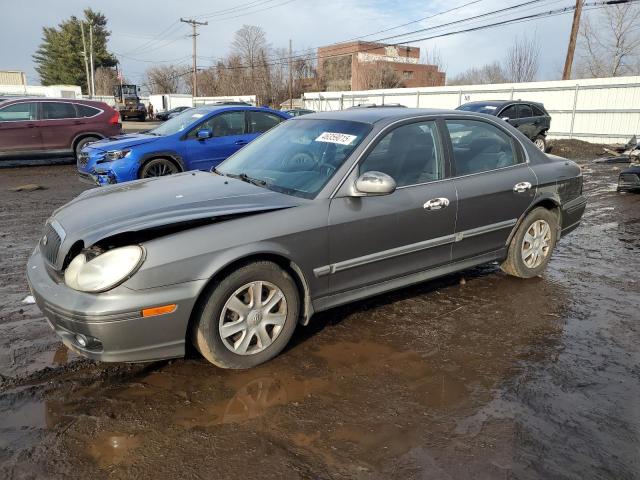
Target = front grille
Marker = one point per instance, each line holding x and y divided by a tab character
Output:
83	159
50	244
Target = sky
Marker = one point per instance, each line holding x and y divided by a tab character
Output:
148	32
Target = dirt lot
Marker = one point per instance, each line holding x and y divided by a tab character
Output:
493	377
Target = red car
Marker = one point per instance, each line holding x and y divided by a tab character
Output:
36	127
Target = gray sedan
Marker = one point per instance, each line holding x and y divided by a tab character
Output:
322	210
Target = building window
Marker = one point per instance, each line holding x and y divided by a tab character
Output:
407	74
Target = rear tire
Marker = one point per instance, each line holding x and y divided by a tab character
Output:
532	245
541	143
81	143
237	328
158	167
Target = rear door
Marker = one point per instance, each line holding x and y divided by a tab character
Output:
495	185
527	120
229	135
376	238
59	124
542	120
19	130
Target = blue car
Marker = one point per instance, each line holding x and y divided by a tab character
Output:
197	139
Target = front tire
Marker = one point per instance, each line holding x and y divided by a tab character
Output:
158	167
248	317
531	246
81	143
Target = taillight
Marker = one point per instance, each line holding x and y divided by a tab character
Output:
115	119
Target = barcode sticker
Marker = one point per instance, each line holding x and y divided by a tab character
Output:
340	138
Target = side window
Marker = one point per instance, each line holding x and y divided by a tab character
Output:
222	125
524	111
260	122
411	154
479	147
57	110
537	112
18	112
86	111
509	112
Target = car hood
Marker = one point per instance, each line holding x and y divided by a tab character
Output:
161	201
120	142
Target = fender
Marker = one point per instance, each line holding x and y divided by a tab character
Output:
546	199
163	153
79	136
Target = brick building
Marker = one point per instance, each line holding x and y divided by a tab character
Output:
352	65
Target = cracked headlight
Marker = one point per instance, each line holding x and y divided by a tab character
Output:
105	271
117	154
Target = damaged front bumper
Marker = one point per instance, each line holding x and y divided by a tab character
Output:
110	326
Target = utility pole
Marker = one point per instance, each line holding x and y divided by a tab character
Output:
194	24
93	80
566	74
290	77
86	61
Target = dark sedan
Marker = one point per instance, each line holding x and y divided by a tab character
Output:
166	115
530	118
320	211
629	179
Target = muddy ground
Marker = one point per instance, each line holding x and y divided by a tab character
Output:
489	378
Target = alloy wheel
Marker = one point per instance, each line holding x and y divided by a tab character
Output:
160	169
540	144
536	244
252	317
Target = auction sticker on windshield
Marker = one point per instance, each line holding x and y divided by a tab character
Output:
340	138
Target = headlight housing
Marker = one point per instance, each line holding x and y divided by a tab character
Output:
117	154
105	271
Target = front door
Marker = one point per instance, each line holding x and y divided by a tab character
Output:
376	238
495	186
228	130
19	130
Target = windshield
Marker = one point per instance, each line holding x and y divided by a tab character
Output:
298	157
180	122
478	108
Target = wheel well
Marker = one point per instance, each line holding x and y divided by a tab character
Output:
83	136
166	157
283	262
547	203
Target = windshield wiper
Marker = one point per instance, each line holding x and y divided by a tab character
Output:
216	171
246	178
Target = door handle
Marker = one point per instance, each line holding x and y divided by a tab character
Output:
521	187
241	142
436	204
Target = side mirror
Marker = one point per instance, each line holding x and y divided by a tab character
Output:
375	183
204	134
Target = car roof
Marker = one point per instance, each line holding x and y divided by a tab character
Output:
497	103
379	114
52	99
214	108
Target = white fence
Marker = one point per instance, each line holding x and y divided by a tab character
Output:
600	110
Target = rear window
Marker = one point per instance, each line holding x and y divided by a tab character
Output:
57	110
260	122
524	111
86	111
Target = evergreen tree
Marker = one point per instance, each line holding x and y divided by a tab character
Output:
59	58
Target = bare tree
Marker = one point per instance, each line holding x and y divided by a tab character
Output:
609	42
523	60
105	79
434	57
165	78
380	75
489	73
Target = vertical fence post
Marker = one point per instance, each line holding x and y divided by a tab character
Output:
382	98
511	93
417	98
460	97
342	101
573	111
